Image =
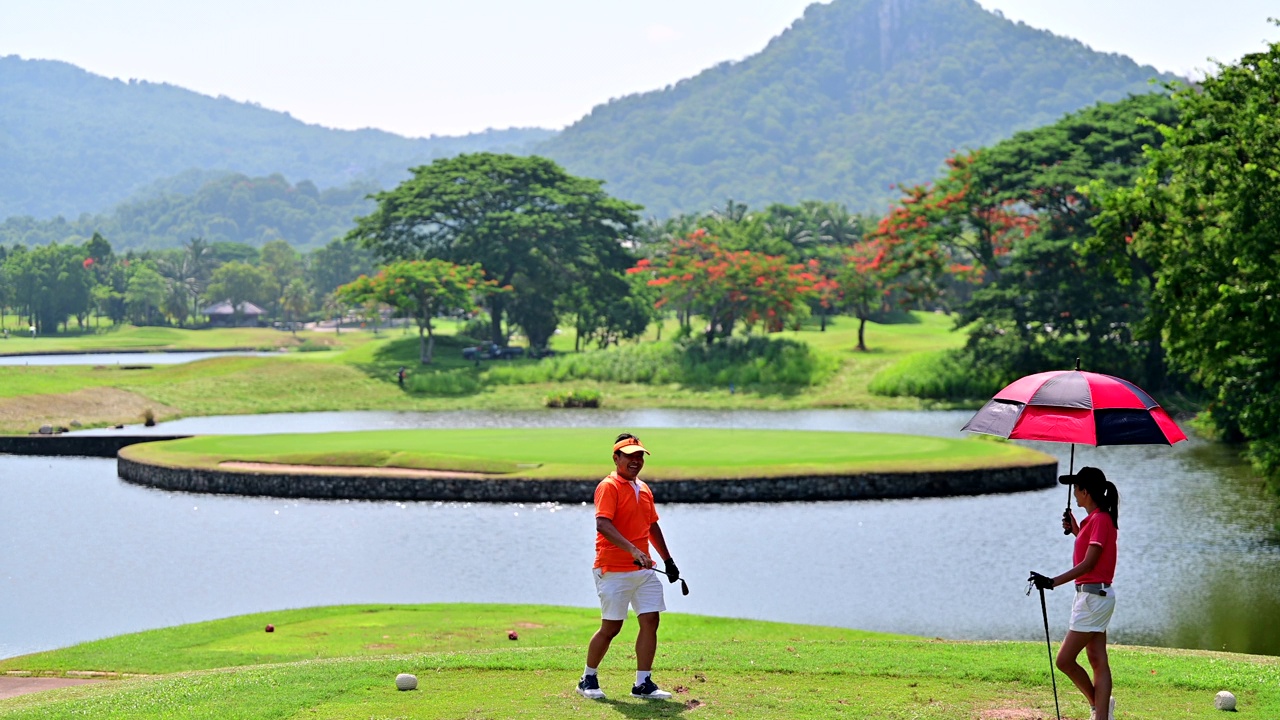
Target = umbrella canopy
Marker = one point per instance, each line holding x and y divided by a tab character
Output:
1073	406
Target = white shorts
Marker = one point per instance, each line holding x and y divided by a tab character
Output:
641	589
1092	613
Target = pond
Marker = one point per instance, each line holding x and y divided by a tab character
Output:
89	556
126	358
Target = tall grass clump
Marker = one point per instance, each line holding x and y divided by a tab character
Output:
460	381
744	362
939	375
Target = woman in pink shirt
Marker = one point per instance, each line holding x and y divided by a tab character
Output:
1095	566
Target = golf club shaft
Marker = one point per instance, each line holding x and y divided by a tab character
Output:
1044	612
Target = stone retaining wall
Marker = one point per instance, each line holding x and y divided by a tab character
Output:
74	445
355	487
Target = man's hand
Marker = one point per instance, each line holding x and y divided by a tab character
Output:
641	558
1040	581
673	572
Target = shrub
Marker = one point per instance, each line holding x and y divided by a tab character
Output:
574	399
309	345
941	375
460	381
754	361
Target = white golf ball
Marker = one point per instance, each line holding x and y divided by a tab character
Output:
1224	701
405	681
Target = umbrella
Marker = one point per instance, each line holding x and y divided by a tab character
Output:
1073	406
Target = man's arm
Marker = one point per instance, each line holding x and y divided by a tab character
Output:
605	527
655	537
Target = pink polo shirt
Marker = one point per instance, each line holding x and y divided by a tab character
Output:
1097	529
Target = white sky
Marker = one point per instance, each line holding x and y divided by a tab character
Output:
422	67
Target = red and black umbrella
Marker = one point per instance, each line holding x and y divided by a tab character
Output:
1072	406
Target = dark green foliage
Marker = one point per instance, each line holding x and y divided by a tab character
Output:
753	362
855	96
1050	301
231	208
77	142
532	226
1206	218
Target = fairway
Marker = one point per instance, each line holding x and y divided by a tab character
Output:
584	453
340	662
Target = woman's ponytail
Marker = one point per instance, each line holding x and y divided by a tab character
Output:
1110	502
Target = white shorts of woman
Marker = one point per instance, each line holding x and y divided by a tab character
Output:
641	589
1092	613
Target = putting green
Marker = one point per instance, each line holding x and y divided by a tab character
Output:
584	453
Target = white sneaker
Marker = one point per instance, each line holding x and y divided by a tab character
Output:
589	687
649	691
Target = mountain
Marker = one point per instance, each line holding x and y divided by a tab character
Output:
855	96
225	207
73	142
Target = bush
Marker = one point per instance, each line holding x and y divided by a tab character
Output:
941	375
476	330
313	346
461	381
744	362
574	399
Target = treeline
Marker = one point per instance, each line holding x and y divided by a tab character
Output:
55	284
223	207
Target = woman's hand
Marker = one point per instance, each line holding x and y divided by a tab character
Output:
1069	523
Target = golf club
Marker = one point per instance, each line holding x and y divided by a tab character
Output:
684	587
1044	612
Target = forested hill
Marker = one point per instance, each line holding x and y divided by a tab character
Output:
226	207
73	142
854	96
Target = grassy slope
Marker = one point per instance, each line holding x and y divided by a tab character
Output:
340	662
577	452
362	375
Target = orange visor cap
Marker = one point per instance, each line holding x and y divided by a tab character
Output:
629	446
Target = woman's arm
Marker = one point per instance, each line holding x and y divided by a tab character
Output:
1091	557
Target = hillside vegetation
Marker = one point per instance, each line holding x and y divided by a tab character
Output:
75	142
853	97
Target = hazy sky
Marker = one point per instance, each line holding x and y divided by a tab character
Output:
422	67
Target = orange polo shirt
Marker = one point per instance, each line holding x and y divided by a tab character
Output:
631	513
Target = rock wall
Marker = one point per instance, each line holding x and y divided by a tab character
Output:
355	487
74	445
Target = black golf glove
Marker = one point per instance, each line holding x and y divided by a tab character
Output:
1040	581
673	572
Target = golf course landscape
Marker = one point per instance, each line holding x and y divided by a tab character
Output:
341	662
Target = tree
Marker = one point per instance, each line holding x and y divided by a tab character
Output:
296	301
238	283
513	215
145	293
1205	214
423	289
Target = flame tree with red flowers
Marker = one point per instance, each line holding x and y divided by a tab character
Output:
423	289
724	287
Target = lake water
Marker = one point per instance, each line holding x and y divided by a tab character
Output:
88	555
118	358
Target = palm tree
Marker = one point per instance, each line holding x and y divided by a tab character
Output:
296	300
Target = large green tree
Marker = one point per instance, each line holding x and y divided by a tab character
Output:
524	219
1206	216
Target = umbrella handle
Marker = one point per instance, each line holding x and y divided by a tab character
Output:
1072	471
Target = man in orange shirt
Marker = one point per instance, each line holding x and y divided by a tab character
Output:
626	524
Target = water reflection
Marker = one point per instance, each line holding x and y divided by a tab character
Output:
118	358
89	556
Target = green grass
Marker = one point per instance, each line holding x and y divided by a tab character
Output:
129	337
340	662
359	374
579	452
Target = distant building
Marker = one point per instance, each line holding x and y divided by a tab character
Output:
224	315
